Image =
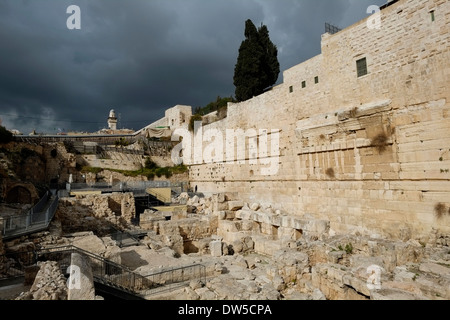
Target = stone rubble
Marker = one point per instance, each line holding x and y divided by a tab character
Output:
243	261
49	284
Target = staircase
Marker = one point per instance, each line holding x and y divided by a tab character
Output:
35	220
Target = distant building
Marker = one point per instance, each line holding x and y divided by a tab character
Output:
112	120
112	126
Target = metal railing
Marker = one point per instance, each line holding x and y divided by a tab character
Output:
104	271
174	278
37	218
137	187
123	238
128	186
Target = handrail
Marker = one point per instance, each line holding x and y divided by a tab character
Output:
111	273
104	271
35	219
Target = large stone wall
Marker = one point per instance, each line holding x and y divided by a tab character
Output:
371	153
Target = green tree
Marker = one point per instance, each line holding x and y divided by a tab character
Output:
257	66
218	104
270	64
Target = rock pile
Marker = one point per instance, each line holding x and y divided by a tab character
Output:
96	212
49	284
257	252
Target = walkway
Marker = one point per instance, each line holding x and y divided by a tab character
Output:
35	220
109	277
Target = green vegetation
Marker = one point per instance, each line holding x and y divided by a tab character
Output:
121	142
195	117
149	164
87	169
219	105
348	248
257	65
150	170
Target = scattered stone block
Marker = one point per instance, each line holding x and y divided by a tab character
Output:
235	205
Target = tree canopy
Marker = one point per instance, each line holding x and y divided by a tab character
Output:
257	66
214	105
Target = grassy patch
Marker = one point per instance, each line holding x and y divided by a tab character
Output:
88	169
348	248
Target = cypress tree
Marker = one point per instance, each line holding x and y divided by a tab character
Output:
270	64
257	64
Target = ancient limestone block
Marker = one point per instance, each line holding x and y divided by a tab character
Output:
235	205
438	269
90	243
216	248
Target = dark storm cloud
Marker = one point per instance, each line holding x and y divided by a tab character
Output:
141	57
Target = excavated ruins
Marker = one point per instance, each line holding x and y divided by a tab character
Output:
351	203
249	251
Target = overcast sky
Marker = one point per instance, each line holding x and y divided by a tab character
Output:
140	57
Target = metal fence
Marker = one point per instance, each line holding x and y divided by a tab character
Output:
104	271
124	239
129	186
37	218
174	278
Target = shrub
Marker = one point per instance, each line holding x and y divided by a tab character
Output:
195	117
348	248
149	164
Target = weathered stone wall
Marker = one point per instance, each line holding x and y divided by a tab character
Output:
96	212
178	116
59	163
20	192
370	154
118	161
